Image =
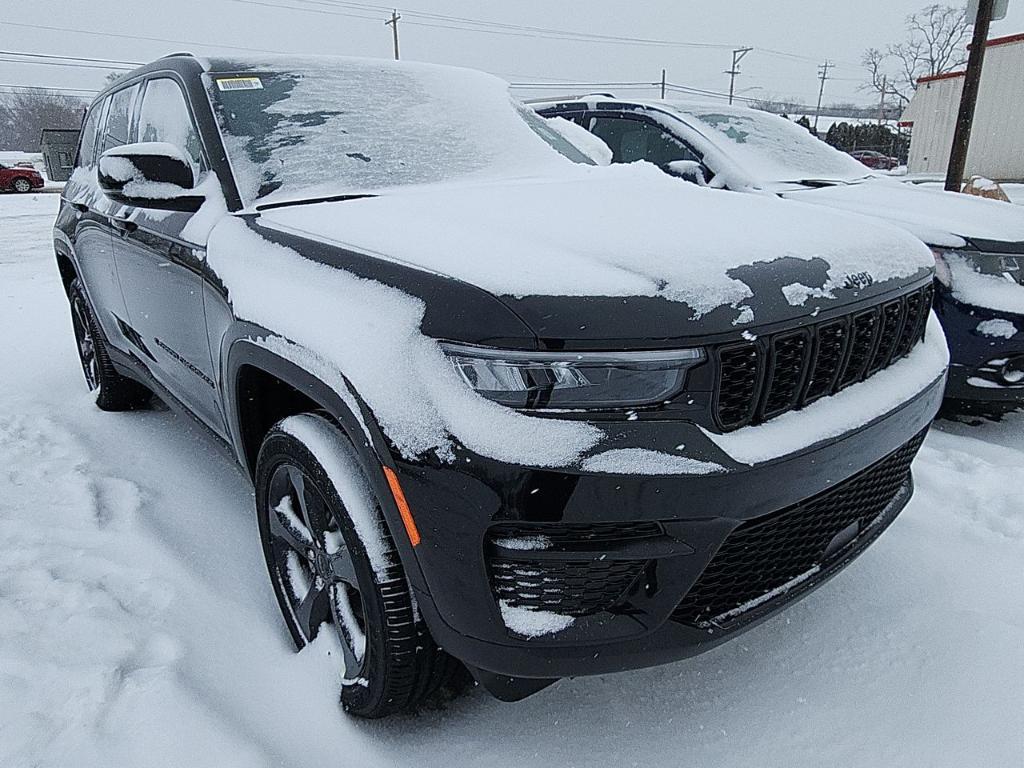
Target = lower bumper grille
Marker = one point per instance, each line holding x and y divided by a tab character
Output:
566	587
571	580
763	555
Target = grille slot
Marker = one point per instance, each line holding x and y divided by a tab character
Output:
764	554
829	349
862	344
760	380
566	587
788	361
892	319
740	368
909	332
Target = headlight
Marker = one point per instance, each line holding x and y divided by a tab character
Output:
572	379
1006	266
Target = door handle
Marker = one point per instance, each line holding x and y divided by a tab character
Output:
122	224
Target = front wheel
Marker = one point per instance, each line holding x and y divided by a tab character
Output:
334	567
21	185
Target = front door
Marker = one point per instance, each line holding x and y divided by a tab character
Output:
160	267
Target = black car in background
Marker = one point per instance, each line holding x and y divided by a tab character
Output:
978	244
501	408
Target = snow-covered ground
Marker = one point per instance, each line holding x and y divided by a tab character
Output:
138	627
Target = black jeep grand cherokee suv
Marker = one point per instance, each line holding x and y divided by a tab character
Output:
554	419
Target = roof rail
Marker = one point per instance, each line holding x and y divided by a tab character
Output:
177	53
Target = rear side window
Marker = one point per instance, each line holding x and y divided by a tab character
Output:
87	147
119	118
632	140
164	116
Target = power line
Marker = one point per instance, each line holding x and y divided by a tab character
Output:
69	58
462	23
215	46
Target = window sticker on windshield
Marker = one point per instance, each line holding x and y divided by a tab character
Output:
239	83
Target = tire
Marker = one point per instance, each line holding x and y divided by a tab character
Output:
21	185
319	522
113	391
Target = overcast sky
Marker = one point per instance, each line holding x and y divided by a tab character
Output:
790	37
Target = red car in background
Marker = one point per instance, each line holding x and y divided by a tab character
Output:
17	178
875	160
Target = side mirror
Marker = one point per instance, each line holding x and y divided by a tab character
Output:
150	174
690	170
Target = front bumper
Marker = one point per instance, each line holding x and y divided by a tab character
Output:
977	359
467	561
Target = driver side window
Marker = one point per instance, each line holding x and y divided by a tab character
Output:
631	140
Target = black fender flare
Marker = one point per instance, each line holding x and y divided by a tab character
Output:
349	411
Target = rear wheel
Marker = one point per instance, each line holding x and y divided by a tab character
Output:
113	391
335	568
21	185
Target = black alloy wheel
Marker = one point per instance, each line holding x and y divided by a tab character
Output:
311	488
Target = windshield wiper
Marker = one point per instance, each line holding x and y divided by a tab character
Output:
312	200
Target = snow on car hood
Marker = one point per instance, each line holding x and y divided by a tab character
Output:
608	231
938	218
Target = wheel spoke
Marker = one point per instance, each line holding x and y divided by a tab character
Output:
350	634
314	609
289	529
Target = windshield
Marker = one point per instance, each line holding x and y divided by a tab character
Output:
769	147
319	126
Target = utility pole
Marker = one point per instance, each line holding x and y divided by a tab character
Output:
881	103
393	23
972	79
823	76
737	57
663	85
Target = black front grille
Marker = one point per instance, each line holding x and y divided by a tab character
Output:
764	554
761	379
566	587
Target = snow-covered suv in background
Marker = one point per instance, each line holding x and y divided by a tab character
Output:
552	418
978	244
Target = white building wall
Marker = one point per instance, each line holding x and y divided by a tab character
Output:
997	141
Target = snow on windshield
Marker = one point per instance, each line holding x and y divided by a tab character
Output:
769	147
321	125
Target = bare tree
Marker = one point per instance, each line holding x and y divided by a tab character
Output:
936	43
24	115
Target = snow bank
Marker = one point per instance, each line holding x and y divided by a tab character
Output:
853	407
374	336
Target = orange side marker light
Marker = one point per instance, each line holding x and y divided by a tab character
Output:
403	506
